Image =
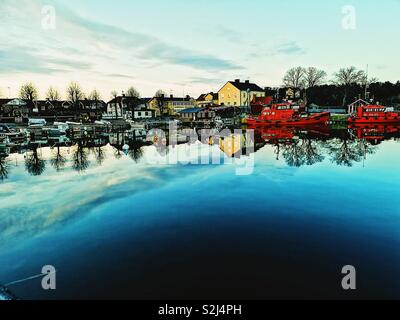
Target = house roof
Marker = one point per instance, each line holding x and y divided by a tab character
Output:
190	110
244	86
126	99
88	102
4	101
203	96
177	99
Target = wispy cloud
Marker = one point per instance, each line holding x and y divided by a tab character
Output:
288	48
83	36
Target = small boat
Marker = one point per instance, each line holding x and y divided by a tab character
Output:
287	114
14	135
4	141
374	114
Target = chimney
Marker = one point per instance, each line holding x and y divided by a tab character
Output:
237	80
171	96
247	81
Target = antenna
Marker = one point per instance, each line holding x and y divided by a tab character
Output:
366	84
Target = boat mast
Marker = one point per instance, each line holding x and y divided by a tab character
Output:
366	84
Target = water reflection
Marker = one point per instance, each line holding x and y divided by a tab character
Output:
296	146
33	162
95	199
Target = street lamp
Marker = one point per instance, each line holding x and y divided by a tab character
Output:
248	99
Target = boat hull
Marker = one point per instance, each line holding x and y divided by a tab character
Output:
374	121
317	119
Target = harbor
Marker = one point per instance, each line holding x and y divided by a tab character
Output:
199	158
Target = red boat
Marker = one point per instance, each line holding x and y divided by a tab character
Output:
374	133
287	114
374	114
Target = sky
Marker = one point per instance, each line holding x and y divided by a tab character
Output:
190	47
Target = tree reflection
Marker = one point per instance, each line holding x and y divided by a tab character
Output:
293	154
312	152
344	152
33	164
99	155
118	153
4	167
136	153
80	158
58	160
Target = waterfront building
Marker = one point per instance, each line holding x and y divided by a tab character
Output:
123	107
207	100
15	109
171	105
189	114
237	93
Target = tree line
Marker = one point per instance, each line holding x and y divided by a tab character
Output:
74	93
346	85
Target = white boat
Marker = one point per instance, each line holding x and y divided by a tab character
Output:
136	125
103	122
37	122
4	141
63	127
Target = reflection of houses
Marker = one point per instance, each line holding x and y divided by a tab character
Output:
207	100
236	93
124	107
235	145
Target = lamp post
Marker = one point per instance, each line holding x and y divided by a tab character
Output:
248	99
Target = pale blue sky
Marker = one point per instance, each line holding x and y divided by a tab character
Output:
184	46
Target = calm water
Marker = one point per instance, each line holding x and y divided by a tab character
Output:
119	225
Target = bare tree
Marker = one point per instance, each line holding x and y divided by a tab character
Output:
294	78
314	77
53	95
346	77
95	95
132	92
114	94
75	93
160	95
28	92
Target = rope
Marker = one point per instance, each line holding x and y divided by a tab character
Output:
27	279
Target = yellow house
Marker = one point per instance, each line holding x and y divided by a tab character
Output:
207	100
170	105
236	93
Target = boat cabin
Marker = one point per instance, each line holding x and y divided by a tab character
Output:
281	111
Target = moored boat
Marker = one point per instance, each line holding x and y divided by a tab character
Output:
374	114
287	114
